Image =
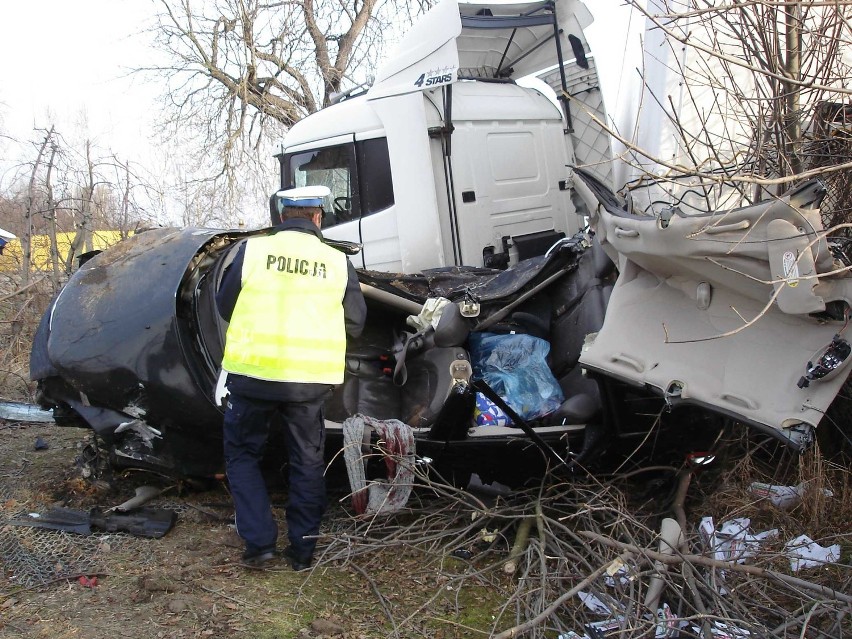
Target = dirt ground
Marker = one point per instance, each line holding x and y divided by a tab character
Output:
189	583
186	584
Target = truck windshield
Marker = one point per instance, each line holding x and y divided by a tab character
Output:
359	176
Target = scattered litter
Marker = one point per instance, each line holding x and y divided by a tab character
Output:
40	444
594	603
732	541
88	582
618	569
668	624
804	552
487	536
720	630
143	494
611	627
782	496
145	522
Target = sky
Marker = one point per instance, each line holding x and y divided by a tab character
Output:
68	62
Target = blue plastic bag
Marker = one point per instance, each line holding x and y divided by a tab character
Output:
515	366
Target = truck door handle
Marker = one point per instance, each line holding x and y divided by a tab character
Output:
620	232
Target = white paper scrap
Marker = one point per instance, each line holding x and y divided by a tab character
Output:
804	552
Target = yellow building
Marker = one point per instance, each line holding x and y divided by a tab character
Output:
12	256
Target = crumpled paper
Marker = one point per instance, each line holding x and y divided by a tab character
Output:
597	605
782	496
804	552
732	541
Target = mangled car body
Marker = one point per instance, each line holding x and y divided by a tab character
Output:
647	322
735	316
131	348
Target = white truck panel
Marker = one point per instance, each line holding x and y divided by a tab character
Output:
512	164
590	141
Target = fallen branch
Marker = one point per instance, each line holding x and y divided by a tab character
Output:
521	539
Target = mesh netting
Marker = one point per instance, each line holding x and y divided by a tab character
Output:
38	556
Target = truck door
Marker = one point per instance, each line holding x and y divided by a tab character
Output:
507	184
359	176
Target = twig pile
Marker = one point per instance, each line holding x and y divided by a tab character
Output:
584	537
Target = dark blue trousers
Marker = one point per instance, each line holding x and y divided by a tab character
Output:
246	430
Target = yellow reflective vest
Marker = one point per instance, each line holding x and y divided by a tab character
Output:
287	324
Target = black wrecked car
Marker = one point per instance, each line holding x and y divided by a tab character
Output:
732	317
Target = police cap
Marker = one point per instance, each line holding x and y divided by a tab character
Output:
304	196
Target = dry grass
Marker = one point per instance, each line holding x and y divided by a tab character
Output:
825	509
21	310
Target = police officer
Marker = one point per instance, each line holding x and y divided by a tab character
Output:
291	300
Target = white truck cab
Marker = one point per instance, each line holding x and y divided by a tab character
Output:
445	160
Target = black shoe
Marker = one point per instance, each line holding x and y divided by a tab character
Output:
258	560
297	563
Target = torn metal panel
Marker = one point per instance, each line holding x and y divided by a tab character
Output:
120	346
480	284
20	412
734	307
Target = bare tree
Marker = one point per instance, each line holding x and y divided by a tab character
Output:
26	239
238	67
62	193
50	213
82	238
